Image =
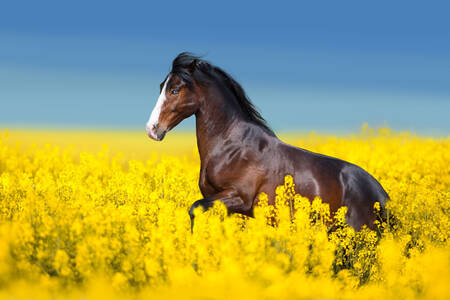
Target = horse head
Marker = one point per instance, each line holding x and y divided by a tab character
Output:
179	97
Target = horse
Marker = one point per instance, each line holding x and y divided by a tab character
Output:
242	157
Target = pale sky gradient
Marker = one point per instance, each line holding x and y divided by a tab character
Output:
327	66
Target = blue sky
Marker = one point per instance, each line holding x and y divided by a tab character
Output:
327	66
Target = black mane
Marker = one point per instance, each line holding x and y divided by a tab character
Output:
192	68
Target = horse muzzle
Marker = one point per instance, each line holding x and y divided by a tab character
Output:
155	132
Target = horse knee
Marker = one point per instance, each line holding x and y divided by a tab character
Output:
193	207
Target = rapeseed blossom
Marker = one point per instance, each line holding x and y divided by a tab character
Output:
85	223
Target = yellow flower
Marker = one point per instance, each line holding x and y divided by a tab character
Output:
89	220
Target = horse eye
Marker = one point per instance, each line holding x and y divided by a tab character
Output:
174	92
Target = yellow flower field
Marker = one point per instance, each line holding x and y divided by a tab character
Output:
103	215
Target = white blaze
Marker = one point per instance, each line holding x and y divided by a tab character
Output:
154	117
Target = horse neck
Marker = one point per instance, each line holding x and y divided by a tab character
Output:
216	118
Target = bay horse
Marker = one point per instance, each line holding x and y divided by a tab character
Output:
242	157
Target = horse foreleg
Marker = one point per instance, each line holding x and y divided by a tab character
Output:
231	199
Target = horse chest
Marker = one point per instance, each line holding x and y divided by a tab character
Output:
204	183
214	177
